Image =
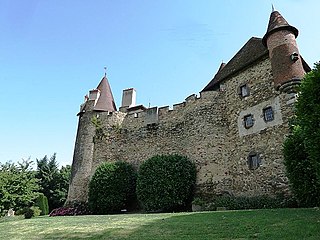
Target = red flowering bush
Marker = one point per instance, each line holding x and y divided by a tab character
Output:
75	209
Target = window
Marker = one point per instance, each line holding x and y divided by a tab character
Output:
253	161
268	114
248	121
244	90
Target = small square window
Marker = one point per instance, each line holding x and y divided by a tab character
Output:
268	114
253	161
244	90
248	121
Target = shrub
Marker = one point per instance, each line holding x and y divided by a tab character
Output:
166	183
42	203
36	211
112	188
299	169
28	213
77	208
302	147
253	202
31	212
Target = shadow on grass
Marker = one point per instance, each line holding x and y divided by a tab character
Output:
258	224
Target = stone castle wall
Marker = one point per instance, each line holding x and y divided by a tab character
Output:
209	130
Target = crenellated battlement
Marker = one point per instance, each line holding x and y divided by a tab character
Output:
158	114
233	130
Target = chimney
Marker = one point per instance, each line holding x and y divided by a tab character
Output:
128	98
94	94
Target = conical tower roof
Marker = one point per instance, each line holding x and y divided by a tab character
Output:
105	101
276	23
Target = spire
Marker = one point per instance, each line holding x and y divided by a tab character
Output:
273	9
276	23
106	100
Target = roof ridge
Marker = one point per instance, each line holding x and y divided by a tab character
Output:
251	51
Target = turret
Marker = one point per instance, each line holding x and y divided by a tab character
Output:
286	62
99	100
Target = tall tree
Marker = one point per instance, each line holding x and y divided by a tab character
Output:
18	185
54	182
302	147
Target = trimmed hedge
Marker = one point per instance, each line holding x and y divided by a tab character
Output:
42	203
253	202
112	188
166	183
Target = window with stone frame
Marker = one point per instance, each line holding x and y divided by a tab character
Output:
254	160
243	90
248	121
268	114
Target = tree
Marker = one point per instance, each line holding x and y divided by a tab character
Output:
302	147
18	185
54	182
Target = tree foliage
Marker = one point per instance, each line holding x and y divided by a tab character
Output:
302	147
112	188
54	182
18	185
42	203
166	183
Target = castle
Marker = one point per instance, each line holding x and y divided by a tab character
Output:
233	131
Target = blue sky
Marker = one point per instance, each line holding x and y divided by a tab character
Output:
53	52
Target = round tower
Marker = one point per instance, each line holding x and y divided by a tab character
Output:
99	100
82	159
286	62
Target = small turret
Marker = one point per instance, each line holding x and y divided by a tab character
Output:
286	62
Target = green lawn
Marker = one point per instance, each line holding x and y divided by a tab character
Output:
254	224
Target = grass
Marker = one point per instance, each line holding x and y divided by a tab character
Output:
252	224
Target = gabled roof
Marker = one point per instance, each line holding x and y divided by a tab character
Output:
249	53
105	101
276	23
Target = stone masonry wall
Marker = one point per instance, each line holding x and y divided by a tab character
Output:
269	178
206	129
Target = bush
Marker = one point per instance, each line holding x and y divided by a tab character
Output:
166	183
253	202
31	212
112	188
28	213
42	203
299	169
36	211
302	147
77	208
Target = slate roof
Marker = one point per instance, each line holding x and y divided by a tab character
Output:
276	23
106	100
249	53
